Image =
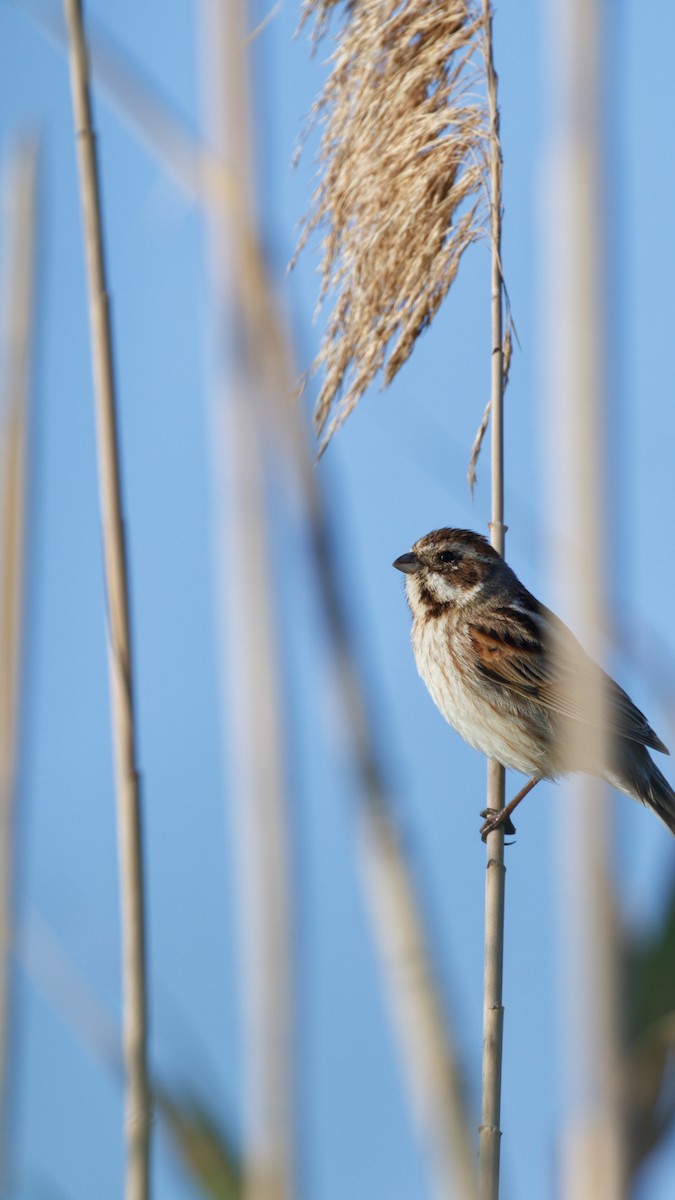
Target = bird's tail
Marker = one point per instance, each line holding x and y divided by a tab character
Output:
653	789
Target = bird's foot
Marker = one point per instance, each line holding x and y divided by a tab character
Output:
496	819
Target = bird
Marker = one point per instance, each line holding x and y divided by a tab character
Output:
513	680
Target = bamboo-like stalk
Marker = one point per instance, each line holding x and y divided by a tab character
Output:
426	1037
493	1010
138	1099
592	1154
428	1047
17	328
429	1054
257	773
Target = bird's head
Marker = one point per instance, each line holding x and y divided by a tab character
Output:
447	569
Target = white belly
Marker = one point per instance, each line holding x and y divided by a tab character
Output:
483	716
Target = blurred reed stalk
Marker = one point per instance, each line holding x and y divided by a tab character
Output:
426	1037
593	1142
493	1010
257	774
427	1044
17	324
138	1099
429	1056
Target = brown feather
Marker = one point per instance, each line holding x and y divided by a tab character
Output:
509	654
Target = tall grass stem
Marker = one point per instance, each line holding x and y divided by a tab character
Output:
578	208
19	247
493	1010
138	1099
256	748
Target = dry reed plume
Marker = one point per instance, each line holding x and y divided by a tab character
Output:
402	190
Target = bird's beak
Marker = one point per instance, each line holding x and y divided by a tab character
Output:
408	563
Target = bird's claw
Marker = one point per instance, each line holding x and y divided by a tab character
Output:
496	820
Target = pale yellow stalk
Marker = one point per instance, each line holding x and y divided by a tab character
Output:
138	1101
493	1010
592	1150
254	745
17	329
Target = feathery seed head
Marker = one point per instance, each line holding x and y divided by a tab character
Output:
402	191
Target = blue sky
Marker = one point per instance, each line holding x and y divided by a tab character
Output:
396	470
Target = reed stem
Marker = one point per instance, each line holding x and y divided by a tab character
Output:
251	668
138	1099
16	330
493	1010
580	424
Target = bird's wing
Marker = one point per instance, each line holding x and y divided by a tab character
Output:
516	649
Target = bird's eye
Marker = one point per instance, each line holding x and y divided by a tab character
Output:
447	556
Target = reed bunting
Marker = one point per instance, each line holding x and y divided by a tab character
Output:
509	676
